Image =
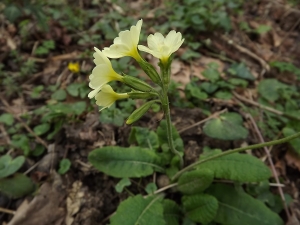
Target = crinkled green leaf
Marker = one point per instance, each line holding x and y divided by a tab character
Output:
125	162
237	207
196	181
172	212
139	211
144	137
229	126
223	94
9	166
73	89
194	90
12	12
78	107
201	208
237	167
240	70
16	186
212	72
208	87
112	115
59	95
269	89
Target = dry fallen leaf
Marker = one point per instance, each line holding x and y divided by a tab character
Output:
292	159
45	208
74	201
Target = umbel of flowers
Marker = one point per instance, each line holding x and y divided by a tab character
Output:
126	44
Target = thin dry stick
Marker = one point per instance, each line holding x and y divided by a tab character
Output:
272	166
5	135
8	109
8	211
257	104
32	168
165	188
275	111
262	62
216	114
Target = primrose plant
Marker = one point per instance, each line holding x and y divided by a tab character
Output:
204	196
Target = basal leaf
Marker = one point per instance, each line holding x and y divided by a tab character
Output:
236	208
16	186
125	162
9	166
172	212
237	167
201	208
229	126
139	211
193	182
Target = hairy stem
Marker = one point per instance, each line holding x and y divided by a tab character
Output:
166	108
276	142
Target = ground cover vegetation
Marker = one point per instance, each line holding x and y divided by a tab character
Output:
203	129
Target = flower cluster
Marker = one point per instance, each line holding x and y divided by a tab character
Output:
126	44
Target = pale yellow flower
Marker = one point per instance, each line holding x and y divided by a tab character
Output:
162	47
106	97
126	43
102	73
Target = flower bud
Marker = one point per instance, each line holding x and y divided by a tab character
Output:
137	84
150	71
138	113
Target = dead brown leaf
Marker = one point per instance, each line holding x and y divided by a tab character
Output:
45	208
292	159
180	72
74	201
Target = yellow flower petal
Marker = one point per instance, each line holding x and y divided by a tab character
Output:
161	47
106	97
102	73
126	43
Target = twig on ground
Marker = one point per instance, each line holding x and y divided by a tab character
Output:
4	134
275	111
271	164
8	211
32	167
165	188
216	114
9	110
262	62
